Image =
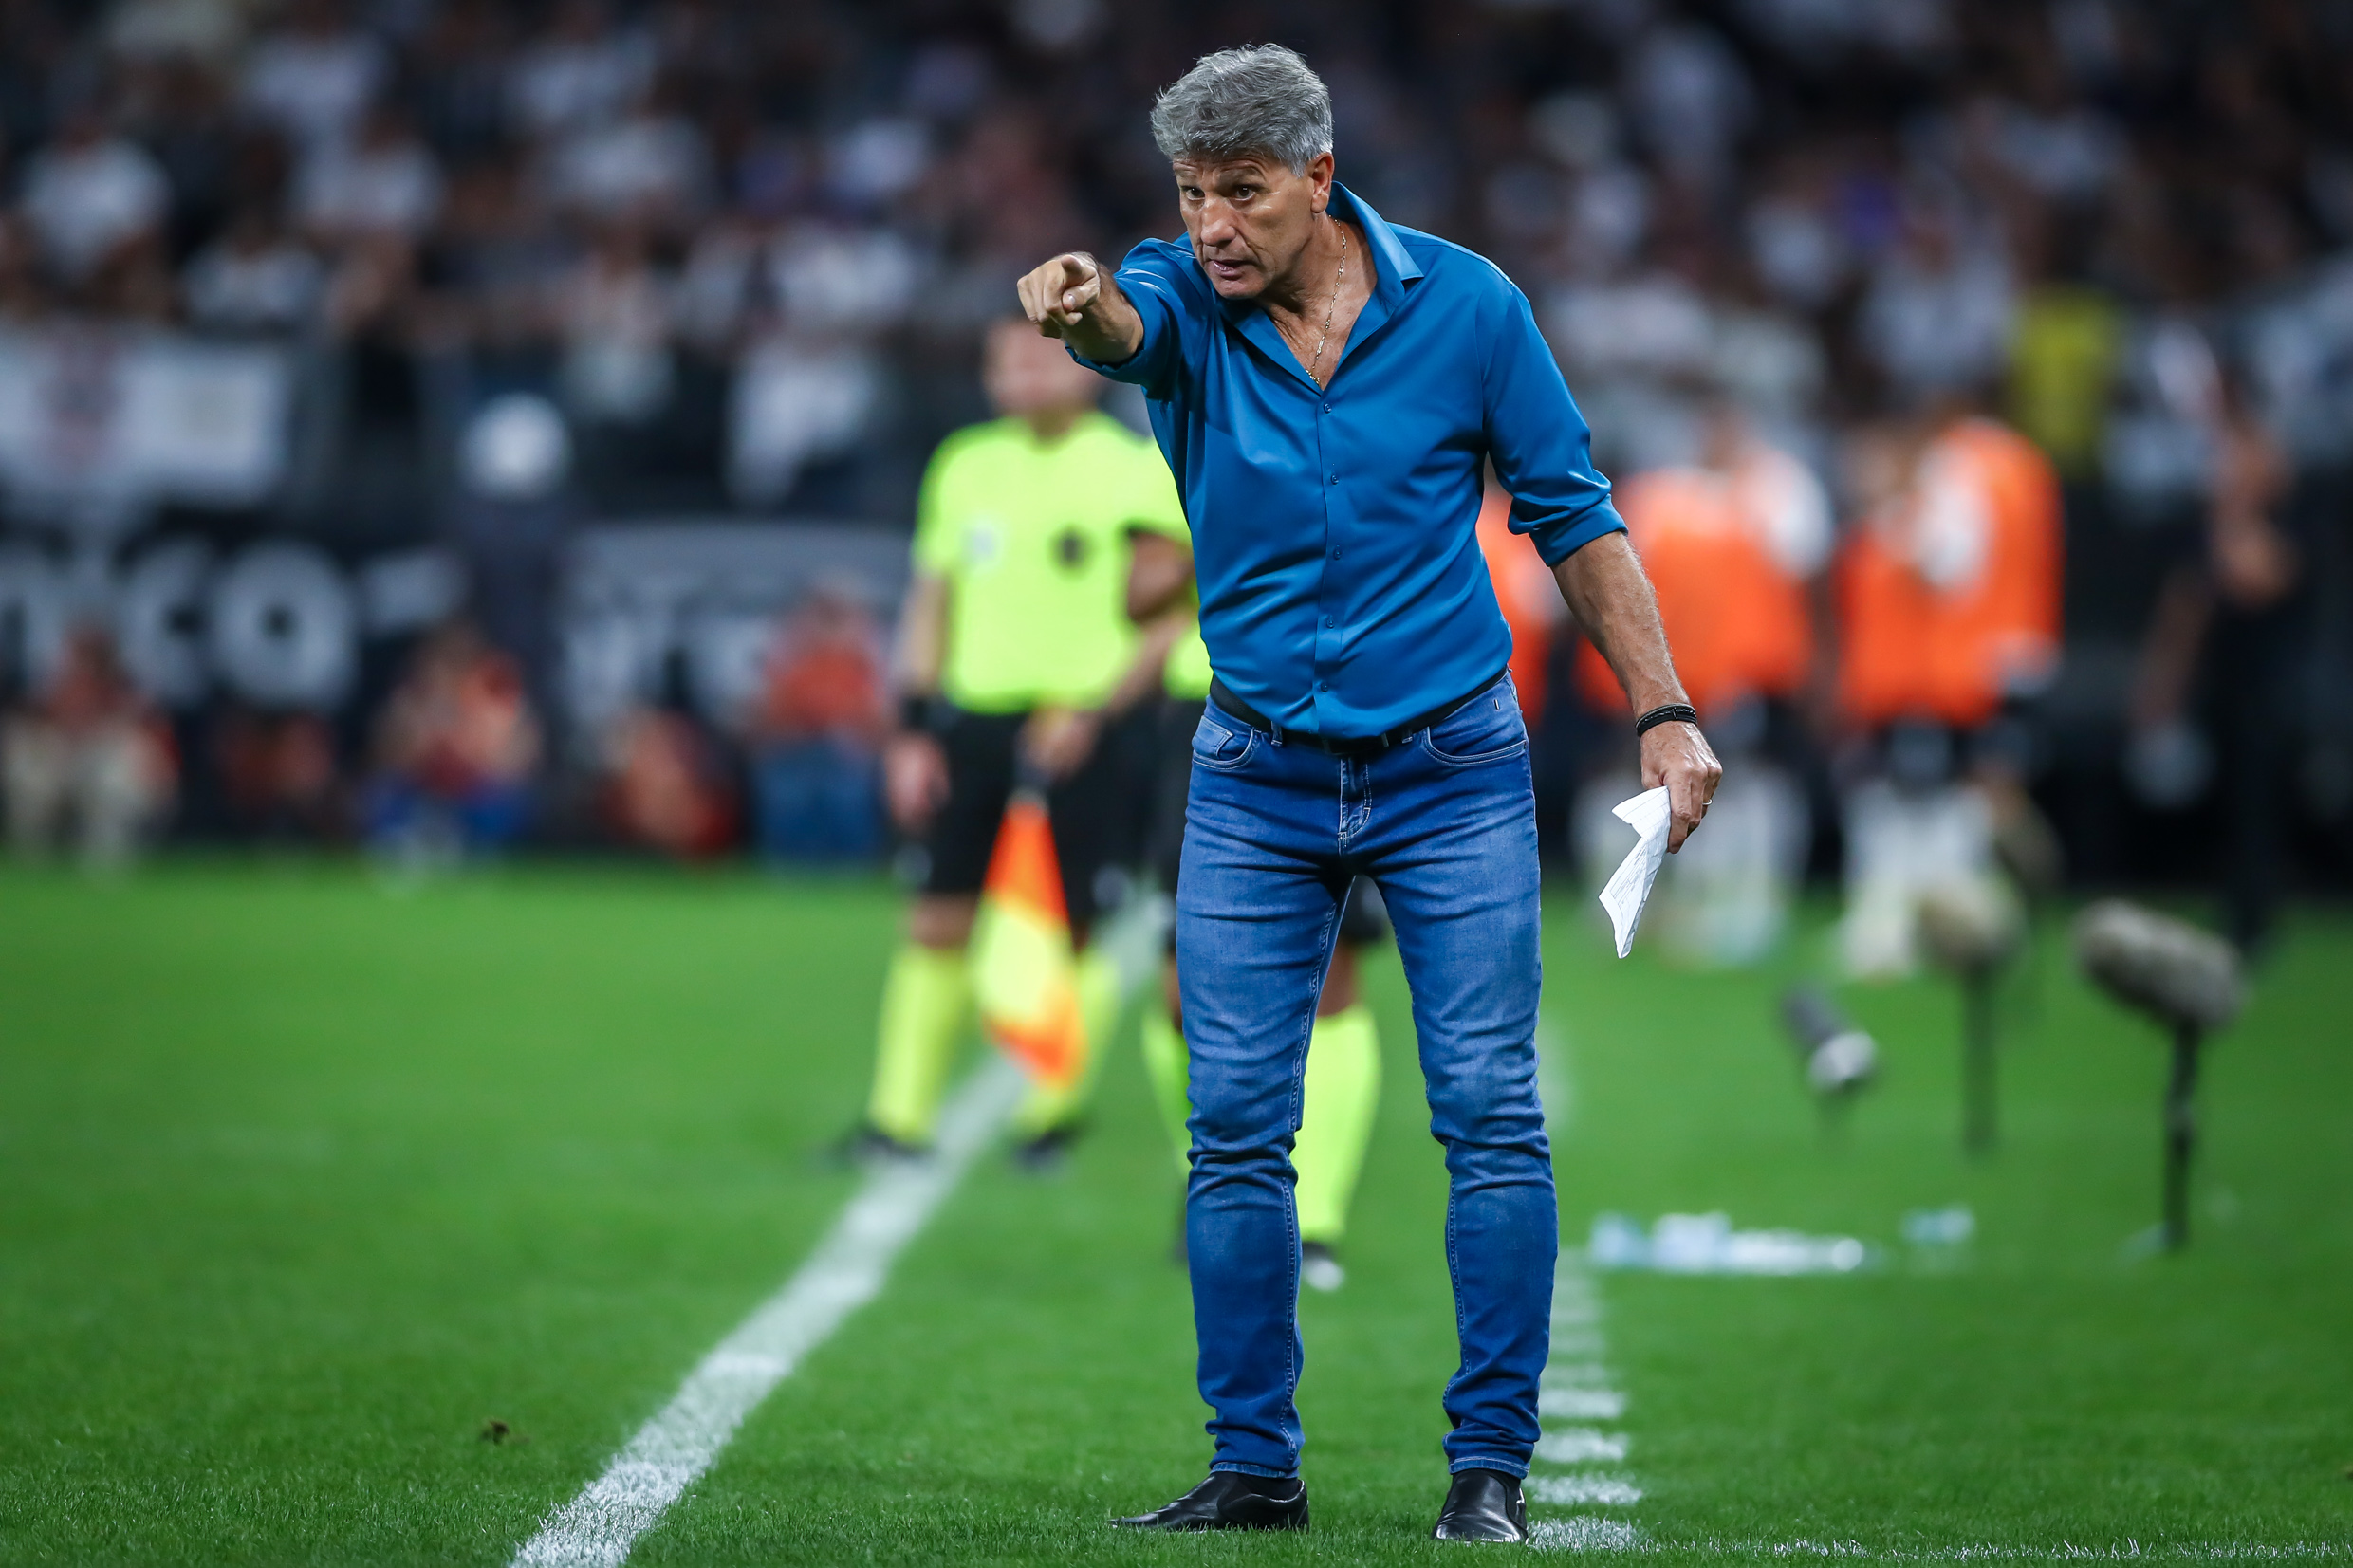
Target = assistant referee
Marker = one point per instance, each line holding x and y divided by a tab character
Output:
1016	654
1328	388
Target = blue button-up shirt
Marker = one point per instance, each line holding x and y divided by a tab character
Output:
1335	529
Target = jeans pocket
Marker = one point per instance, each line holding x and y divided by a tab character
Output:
1486	728
1215	744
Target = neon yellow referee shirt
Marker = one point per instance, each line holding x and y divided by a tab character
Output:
1031	538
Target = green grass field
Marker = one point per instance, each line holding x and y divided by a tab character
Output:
304	1180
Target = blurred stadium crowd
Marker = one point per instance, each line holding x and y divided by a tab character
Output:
320	319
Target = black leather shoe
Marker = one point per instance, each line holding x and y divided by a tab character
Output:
1229	1501
1483	1506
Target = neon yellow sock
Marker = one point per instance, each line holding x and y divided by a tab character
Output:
924	1001
1336	1120
1165	1065
1043	1109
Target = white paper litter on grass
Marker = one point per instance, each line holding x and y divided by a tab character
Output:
1707	1243
1629	886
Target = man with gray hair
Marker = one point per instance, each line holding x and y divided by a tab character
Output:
1328	390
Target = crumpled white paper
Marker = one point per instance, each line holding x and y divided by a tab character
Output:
1629	886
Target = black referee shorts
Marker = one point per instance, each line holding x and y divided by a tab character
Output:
1362	922
1093	810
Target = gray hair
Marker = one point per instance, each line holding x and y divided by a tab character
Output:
1258	99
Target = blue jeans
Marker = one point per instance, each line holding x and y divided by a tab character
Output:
1444	822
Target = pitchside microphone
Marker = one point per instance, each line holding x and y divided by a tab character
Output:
1839	1059
1970	926
2186	979
2178	975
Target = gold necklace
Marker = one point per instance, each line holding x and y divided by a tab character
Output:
1330	305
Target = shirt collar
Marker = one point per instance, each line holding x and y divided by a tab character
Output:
1393	268
1394	265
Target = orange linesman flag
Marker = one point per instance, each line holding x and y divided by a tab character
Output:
1025	973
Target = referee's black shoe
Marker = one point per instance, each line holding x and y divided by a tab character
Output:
1230	1500
1483	1506
866	1146
1047	1154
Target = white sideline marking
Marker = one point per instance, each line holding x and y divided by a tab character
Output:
1576	1385
597	1529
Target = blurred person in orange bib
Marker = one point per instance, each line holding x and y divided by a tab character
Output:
1734	545
90	753
1948	602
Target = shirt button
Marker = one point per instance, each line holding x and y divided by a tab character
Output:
1327	408
1334	479
1335	555
1323	686
1331	621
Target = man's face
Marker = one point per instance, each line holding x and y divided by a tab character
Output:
1024	374
1250	217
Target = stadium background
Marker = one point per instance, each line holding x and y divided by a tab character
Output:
355	1217
733	259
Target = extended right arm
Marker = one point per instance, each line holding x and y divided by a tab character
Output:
1074	298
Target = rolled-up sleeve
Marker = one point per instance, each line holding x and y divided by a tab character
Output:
1145	279
1541	445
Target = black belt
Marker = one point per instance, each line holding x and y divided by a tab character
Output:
1342	746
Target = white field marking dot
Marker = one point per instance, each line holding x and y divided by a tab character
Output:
1573	1491
1580	1445
1584	1532
1581	1403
